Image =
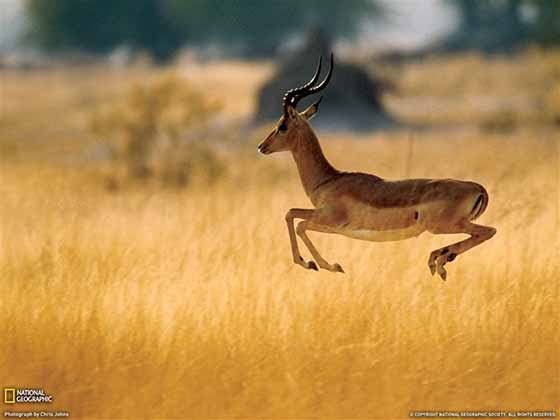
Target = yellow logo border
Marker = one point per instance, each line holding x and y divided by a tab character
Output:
8	400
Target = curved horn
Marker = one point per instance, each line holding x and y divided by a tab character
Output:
324	83
291	95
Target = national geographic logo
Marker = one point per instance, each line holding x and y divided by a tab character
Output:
26	396
9	395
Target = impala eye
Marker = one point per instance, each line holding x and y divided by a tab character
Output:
282	127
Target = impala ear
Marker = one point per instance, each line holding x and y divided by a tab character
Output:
292	112
312	109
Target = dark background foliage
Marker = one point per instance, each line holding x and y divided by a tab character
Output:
163	26
257	28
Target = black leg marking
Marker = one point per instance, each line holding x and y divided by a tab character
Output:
451	257
444	251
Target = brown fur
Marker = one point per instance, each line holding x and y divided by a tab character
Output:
365	206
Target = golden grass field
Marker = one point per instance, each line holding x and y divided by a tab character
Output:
167	303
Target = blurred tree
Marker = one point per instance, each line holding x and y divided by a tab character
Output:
161	26
260	26
547	21
100	25
493	25
354	93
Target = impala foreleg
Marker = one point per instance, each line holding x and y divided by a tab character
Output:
442	256
301	228
290	216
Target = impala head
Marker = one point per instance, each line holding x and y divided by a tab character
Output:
292	124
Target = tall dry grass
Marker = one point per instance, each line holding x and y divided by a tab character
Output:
177	304
188	305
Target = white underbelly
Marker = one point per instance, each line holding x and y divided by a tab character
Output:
383	235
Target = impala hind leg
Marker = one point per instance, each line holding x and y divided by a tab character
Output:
442	256
290	216
301	228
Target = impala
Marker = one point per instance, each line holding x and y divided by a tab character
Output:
365	206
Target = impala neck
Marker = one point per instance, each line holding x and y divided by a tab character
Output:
313	167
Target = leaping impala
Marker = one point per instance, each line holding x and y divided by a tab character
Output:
365	206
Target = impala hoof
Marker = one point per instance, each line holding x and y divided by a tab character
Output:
440	266
337	268
432	267
310	265
432	262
